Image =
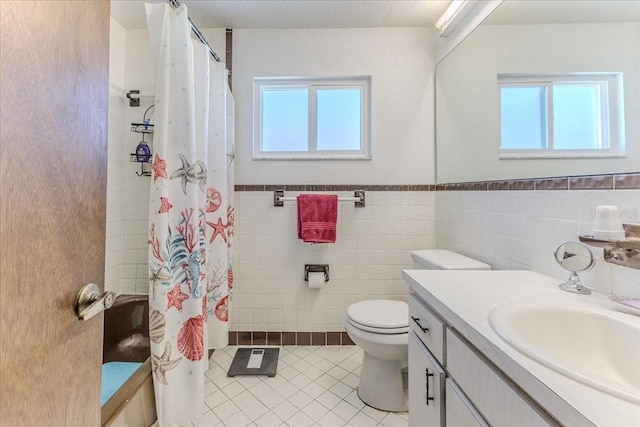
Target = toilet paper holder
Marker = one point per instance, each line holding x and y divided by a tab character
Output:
316	268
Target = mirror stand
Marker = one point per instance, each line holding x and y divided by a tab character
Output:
574	285
574	257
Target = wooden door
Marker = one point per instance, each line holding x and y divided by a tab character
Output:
53	155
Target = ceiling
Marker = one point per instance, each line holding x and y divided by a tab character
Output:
293	13
374	13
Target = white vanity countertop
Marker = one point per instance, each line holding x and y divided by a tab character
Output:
465	299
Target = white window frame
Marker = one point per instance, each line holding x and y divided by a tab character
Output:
612	135
363	83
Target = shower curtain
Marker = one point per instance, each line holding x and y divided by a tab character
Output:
219	209
189	190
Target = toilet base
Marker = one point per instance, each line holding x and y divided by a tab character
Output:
375	372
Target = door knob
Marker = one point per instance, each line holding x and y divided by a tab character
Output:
90	302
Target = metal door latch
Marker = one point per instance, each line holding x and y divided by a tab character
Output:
89	302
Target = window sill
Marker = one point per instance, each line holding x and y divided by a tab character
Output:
313	157
559	154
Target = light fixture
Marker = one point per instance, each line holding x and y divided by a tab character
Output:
454	14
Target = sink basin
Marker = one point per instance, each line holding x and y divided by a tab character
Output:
586	344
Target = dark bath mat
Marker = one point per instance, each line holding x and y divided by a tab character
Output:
255	361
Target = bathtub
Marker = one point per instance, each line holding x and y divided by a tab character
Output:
128	397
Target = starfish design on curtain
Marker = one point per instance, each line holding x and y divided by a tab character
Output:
160	365
218	228
159	168
164	205
194	173
157	277
175	298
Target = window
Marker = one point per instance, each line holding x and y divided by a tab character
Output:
298	118
569	115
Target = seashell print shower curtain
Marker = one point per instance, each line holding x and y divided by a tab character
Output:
219	208
185	224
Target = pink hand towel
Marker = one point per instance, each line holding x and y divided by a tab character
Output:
317	217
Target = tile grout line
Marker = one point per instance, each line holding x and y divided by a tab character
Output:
330	357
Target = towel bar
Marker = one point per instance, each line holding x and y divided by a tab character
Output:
358	199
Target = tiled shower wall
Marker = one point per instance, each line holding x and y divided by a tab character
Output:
133	210
127	193
127	203
373	245
113	244
522	229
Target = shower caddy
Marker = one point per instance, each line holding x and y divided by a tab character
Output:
143	152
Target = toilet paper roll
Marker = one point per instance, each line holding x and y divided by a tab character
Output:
316	280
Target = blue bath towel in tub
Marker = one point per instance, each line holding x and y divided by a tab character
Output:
114	374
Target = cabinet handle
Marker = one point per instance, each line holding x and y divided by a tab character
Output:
422	328
427	381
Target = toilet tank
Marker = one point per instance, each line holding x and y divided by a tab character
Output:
442	259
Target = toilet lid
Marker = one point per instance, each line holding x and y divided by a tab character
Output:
380	314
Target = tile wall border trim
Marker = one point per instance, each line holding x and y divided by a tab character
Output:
334	187
288	338
623	181
626	181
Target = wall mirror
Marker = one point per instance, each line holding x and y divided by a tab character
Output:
533	37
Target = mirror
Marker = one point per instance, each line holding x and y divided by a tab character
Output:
574	257
533	37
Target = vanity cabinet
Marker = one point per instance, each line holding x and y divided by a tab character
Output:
427	327
460	411
501	403
426	386
467	389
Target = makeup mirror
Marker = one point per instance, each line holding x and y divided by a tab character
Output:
574	257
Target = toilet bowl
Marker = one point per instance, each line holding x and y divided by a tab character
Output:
381	329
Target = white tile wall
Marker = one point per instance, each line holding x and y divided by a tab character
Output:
113	244
127	204
373	245
522	230
134	211
127	194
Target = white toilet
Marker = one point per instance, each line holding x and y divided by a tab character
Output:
381	327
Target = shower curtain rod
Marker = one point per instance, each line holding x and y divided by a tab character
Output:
176	4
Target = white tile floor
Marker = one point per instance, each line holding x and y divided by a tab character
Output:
315	386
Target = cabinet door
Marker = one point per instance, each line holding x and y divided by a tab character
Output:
460	412
426	386
501	404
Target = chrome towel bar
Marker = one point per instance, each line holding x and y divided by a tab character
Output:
358	198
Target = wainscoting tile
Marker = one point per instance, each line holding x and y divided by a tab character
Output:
259	338
333	338
244	338
346	339
523	184
233	338
552	184
595	182
274	338
629	181
318	338
288	338
303	338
